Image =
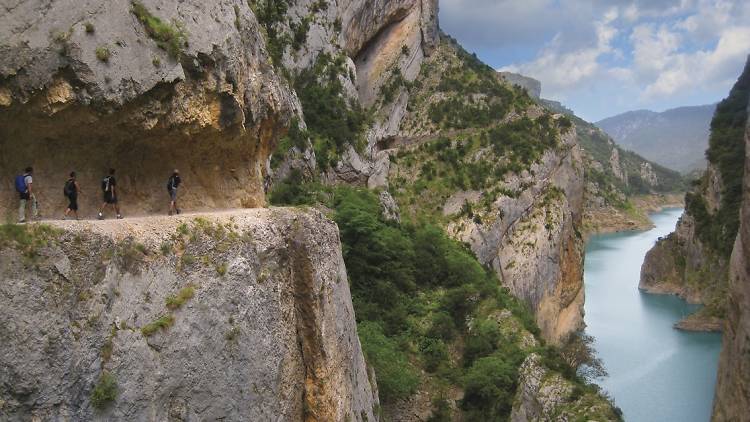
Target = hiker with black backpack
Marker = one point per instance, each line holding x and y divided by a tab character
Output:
172	184
109	188
24	187
71	191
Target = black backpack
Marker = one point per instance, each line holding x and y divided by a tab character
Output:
70	188
105	184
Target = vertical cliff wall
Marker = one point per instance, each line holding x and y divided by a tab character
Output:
732	399
693	262
236	316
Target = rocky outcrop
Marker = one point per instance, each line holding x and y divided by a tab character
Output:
86	87
531	85
235	316
694	260
732	399
532	239
546	396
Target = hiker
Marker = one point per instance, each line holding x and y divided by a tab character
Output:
24	187
172	184
71	191
109	187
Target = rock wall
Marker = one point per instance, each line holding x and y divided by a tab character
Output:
534	244
214	109
267	331
732	399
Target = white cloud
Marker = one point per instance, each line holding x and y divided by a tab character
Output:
559	69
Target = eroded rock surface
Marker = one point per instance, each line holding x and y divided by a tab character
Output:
267	332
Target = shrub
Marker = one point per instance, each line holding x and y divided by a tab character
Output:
103	53
162	323
169	37
105	391
434	353
176	301
396	377
89	27
489	387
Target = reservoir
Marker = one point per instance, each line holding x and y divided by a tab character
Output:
655	372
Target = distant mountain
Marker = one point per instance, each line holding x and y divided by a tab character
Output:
675	138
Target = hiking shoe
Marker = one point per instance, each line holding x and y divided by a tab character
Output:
119	217
21	221
178	211
101	216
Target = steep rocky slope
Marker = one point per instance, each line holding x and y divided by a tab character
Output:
693	261
236	316
675	138
732	400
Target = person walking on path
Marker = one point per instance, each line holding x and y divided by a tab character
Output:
172	184
71	191
109	188
25	189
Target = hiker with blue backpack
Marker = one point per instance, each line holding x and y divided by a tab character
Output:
109	188
24	187
71	191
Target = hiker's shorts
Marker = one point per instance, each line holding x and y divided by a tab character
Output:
173	194
109	198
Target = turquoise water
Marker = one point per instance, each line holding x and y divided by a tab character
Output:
656	373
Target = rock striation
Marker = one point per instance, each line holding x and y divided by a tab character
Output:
233	316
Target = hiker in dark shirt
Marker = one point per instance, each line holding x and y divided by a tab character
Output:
109	188
172	184
71	191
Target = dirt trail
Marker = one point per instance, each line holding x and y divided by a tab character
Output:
157	228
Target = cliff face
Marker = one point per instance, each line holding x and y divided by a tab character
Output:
85	86
148	86
237	316
732	399
532	239
694	260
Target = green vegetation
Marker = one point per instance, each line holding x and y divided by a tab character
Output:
726	152
424	303
27	238
332	120
270	14
89	27
105	391
102	53
168	36
176	301
161	323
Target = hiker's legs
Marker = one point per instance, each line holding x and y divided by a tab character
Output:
34	207
22	209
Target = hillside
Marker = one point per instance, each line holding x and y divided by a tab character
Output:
675	138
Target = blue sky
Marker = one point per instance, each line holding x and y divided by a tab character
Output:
604	57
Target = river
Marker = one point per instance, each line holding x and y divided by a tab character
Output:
656	373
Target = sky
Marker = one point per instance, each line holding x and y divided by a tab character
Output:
605	57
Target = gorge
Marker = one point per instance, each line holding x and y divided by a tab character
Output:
382	226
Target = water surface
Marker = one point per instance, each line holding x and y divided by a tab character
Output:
656	373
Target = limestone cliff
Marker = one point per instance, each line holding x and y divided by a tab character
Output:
235	316
732	399
693	261
90	85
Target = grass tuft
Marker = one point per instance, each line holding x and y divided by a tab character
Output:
168	36
176	301
162	323
105	391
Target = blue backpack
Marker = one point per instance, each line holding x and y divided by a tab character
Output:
21	183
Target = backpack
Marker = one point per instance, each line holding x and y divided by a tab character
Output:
21	183
69	189
105	184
